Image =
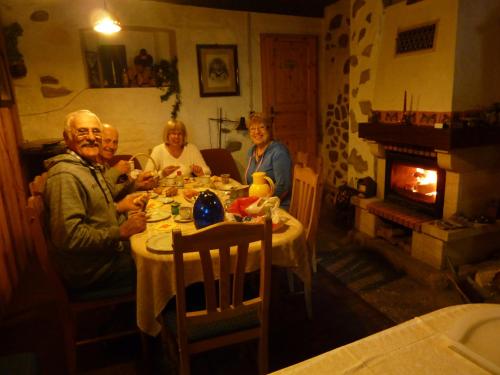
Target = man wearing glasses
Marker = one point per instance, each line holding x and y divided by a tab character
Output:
88	231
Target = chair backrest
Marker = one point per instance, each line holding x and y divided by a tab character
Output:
220	161
305	201
306	160
214	245
116	158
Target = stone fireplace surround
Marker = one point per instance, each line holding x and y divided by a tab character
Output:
472	164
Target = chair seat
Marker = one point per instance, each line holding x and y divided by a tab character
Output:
94	295
246	320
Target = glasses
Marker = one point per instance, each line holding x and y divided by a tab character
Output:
84	133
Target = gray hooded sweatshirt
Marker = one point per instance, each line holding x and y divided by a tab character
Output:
82	218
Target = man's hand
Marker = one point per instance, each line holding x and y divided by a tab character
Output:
146	181
169	169
135	223
132	202
197	170
122	166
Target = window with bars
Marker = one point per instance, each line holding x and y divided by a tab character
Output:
416	39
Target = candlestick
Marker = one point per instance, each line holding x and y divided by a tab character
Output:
404	103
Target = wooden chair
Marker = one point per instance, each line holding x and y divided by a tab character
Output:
71	308
116	158
220	161
305	204
303	159
228	317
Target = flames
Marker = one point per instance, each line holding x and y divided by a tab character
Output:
426	181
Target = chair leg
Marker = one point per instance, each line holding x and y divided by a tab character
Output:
308	298
313	259
291	284
171	351
263	356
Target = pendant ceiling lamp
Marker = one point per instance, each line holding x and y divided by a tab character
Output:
105	22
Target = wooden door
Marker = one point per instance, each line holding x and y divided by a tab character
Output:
289	89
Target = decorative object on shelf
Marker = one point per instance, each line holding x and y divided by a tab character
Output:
167	79
367	187
207	209
407	115
218	69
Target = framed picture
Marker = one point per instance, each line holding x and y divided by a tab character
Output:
218	69
6	98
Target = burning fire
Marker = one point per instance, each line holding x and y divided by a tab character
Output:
426	181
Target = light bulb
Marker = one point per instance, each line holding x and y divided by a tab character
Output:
107	25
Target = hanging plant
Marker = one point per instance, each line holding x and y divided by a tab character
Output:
167	79
17	67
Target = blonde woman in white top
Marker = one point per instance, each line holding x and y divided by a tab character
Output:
175	154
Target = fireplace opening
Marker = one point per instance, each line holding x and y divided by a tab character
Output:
415	181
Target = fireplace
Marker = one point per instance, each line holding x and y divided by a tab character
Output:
424	177
415	181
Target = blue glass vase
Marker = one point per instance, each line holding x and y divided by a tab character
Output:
207	209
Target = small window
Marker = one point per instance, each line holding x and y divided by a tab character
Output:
416	39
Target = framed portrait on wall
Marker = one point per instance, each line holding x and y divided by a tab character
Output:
218	69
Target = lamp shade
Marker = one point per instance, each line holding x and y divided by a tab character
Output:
242	124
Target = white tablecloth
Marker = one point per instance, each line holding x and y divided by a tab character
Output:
462	339
155	272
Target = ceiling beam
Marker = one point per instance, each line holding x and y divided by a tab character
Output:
304	8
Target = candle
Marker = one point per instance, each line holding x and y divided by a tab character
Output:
404	103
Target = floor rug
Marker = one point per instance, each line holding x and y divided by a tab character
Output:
358	268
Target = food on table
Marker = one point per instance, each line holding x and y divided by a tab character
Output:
171	191
190	193
158	190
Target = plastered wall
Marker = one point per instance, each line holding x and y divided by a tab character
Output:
53	48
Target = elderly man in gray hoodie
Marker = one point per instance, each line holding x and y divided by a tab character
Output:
88	230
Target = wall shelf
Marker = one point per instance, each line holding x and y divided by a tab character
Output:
429	137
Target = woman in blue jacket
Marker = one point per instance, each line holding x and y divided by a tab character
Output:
270	156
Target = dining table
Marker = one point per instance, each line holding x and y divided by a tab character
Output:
461	339
152	252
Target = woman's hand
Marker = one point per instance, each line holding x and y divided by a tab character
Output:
169	169
122	166
197	170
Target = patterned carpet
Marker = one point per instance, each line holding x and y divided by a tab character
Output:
358	268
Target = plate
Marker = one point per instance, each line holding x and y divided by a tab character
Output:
153	204
178	219
165	200
158	215
160	243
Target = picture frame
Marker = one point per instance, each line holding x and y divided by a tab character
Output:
218	69
6	96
